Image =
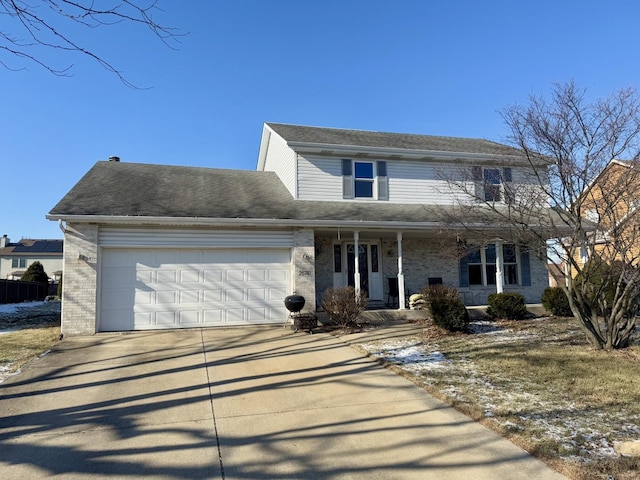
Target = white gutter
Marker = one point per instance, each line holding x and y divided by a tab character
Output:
385	152
255	222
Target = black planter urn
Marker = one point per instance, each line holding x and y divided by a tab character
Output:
294	303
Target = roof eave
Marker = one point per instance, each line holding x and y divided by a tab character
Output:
306	147
256	222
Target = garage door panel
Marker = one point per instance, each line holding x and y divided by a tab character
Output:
233	294
256	275
166	275
256	294
190	276
234	275
140	320
277	293
189	318
235	316
211	275
151	289
213	295
165	319
189	296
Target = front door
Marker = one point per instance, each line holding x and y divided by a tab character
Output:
368	265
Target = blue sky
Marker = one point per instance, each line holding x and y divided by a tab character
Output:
412	66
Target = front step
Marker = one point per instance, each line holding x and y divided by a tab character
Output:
376	305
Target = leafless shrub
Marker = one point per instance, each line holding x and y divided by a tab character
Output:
343	305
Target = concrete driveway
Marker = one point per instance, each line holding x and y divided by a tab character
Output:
242	403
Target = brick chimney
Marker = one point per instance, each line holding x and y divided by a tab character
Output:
4	241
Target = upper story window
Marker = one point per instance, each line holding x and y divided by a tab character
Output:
364	179
492	184
18	262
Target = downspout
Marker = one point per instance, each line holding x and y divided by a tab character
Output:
62	226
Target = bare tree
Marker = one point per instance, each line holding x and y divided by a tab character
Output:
578	192
35	26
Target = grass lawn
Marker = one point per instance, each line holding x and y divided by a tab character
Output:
26	333
537	382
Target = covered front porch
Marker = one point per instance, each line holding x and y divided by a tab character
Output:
390	266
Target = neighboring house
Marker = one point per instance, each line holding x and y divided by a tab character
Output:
157	246
15	258
610	203
557	274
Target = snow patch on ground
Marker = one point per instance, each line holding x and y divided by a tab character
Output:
580	432
412	356
14	307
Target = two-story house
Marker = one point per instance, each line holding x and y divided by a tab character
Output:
610	203
15	257
156	246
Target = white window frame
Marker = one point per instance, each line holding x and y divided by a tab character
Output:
484	264
19	262
362	180
483	178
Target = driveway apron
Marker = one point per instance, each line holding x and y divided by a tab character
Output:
240	403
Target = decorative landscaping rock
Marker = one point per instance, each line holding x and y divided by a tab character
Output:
628	449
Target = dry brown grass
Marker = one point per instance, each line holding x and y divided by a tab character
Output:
539	383
26	334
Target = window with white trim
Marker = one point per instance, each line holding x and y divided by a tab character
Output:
364	179
491	184
18	262
478	267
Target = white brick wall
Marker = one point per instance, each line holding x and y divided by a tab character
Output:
304	269
80	280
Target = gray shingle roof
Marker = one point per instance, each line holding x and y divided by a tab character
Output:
363	138
133	189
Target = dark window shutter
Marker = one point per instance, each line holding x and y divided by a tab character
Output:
525	266
464	271
476	175
383	181
347	178
506	174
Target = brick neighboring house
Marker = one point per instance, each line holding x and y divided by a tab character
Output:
16	257
611	203
159	246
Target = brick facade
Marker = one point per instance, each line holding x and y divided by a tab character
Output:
424	259
80	281
304	267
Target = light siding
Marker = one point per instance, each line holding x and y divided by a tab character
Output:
319	178
281	159
49	264
175	238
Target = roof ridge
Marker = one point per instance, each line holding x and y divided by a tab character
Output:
382	132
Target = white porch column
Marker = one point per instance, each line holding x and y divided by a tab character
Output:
401	299
356	262
499	267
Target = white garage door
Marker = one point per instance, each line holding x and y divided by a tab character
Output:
163	288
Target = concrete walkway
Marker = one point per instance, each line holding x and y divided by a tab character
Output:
251	403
